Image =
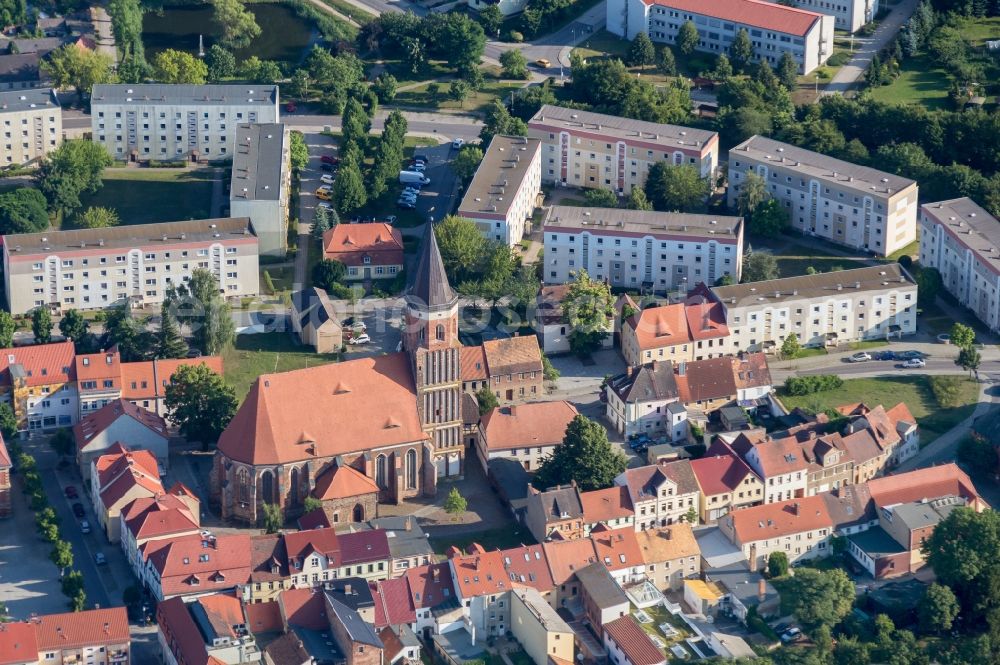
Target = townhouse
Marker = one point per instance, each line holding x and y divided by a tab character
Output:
408	546
88	269
32	125
503	194
598	151
37	381
119	421
801	528
260	181
692	330
527	433
429	587
482	589
510	367
962	241
825	309
545	635
671	555
779	462
211	629
644	400
197	565
369	251
856	206
640	249
95	637
704	386
152	520
269	574
619	551
556	513
602	597
727	483
773	29
608	508
117	478
661	494
565	559
553	326
365	554
140	122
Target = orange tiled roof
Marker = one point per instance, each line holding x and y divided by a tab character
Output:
393	602
607	504
149	379
341	482
100	367
473	363
667	543
480	573
928	483
300	544
618	548
513	355
43	364
351	243
430	585
719	474
194	564
567	557
532	424
783	518
638	648
120	486
528	566
162	515
78	629
657	327
752	13
18	643
98	421
119	458
264	617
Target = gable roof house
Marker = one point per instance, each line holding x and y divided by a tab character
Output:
118	478
644	400
314	319
671	555
726	482
554	514
370	251
197	565
120	420
525	432
39	383
801	528
602	596
146	520
208	630
661	494
608	508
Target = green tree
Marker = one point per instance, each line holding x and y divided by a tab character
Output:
491	18
585	456
777	564
487	400
637	199
8	422
385	85
724	280
173	67
968	359
97	217
73	326
169	342
455	503
467	161
72	169
273	518
753	192
388	154
299	84
23	210
62	442
461	245
676	188
687	38
298	151
587	307
221	63
328	273
458	91
13	12
41	325
667	62
72	67
769	219
349	191
499	121
759	267
324	219
790	347
723	68
549	372
61	555
311	503
123	330
821	597
691	516
514	65
962	336
600	198
938	610
72	583
239	27
788	71
741	51
7	327
641	52
763	74
929	284
199	402
200	305
255	70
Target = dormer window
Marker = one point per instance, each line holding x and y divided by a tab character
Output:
367	260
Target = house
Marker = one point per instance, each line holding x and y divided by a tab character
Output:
671	555
628	644
315	320
539	628
482	589
527	566
5	467
706	385
527	433
608	508
164	516
98	379
400	645
619	551
779	463
37	381
394	604
145	383
661	494
514	368
117	479
801	528
117	421
365	554
208	630
726	482
430	587
602	597
354	592
369	251
313	557
260	182
98	636
268	569
554	514
644	400
408	546
565	558
554	327
197	565
691	330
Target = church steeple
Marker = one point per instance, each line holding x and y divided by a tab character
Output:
431	304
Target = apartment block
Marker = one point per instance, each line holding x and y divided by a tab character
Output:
598	151
502	195
95	637
849	15
32	125
774	29
828	198
97	268
833	308
37	381
637	249
962	241
139	122
261	177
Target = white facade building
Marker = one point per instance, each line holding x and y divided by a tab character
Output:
773	29
261	177
849	15
31	123
139	122
845	203
636	249
962	241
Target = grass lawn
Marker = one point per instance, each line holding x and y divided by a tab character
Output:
979	31
266	353
913	249
477	101
914	390
810	351
350	10
281	276
603	44
868	344
145	196
500	538
920	81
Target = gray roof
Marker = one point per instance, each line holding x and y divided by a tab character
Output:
668	136
314	307
850	505
845	175
430	288
351	591
597	581
971	225
618	221
920	514
459	646
243	94
122	237
716	550
319	644
258	162
358	630
876	542
40	46
557	503
654	381
544	612
739	581
15	101
405	536
499	176
21	67
820	285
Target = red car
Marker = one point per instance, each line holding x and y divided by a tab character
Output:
329	159
290	107
71	492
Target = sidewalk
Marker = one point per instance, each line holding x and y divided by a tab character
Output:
942	449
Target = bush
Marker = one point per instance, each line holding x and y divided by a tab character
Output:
807	385
947	390
174	164
839	59
516	37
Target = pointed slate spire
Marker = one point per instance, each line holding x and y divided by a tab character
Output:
430	288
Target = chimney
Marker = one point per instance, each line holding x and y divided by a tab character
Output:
656	364
761	589
628	371
409	523
795	508
347	589
753	558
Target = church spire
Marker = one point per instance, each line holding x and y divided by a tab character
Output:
430	289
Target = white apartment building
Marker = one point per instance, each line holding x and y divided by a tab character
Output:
801	528
139	122
637	249
962	241
97	268
849	15
32	125
502	195
833	308
845	203
598	151
773	29
261	177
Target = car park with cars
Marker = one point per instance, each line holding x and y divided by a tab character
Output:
860	357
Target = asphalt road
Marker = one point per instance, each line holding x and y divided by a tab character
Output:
446	126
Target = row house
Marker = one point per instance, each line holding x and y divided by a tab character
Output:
602	597
801	528
38	383
213	629
727	483
98	432
671	555
555	513
526	433
661	494
95	637
608	508
628	644
619	551
692	330
197	565
535	624
163	517
118	478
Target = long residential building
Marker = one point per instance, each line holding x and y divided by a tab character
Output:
261	177
139	122
637	249
962	241
598	151
773	29
502	195
32	125
828	198
97	268
832	308
849	15
94	637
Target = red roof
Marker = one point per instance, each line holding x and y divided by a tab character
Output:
568	556
430	585
527	425
393	603
95	423
4	454
607	504
78	629
43	364
304	607
480	573
752	13
784	518
120	486
193	564
301	544
100	367
314	519
119	459
380	243
473	363
928	483
363	546
264	617
149	379
719	474
706	319
163	515
528	566
634	642
18	644
342	482
181	633
618	549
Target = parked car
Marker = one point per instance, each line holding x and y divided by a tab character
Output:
409	196
326	179
421	158
78	510
355	324
405	204
84	526
457	143
324	193
791	635
328	167
543	63
907	355
884	355
390	219
913	363
363	338
329	159
100	559
71	492
860	357
419	167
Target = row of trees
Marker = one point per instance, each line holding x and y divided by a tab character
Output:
452	37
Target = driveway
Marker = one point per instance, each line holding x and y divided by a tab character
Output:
309	182
437	199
